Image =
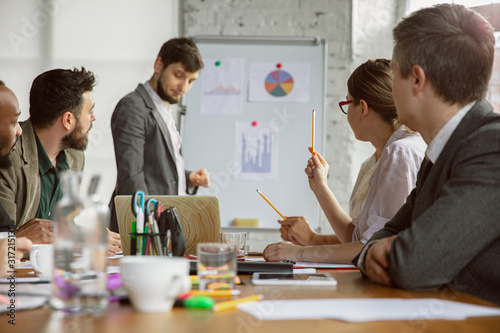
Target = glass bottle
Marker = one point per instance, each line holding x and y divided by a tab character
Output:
80	238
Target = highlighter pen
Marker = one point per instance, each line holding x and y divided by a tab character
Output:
269	202
133	241
229	305
216	293
313	131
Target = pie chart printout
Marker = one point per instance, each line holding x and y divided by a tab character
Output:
279	83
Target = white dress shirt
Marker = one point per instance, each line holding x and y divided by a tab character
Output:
362	185
165	110
393	179
441	139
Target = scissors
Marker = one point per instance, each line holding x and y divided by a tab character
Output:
138	208
148	207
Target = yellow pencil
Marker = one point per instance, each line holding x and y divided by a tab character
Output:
216	293
269	202
313	130
229	305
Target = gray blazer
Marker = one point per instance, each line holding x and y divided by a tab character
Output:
449	228
144	153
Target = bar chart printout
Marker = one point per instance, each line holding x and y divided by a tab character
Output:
255	151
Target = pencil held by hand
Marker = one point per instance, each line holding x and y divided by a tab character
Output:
269	202
313	114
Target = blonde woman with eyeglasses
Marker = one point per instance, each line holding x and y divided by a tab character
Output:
384	182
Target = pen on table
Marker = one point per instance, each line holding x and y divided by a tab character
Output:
216	293
313	131
277	211
229	305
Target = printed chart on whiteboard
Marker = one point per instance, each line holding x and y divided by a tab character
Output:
255	151
281	83
222	81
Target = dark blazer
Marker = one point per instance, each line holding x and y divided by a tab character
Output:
144	153
449	228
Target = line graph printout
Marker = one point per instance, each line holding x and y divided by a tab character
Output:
222	86
255	151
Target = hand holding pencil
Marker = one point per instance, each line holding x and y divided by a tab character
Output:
317	171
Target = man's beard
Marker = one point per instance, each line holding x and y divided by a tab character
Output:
75	139
5	161
163	94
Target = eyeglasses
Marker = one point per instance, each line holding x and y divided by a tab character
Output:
341	104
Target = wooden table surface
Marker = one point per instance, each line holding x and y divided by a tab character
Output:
122	318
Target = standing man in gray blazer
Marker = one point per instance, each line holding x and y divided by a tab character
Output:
448	231
146	140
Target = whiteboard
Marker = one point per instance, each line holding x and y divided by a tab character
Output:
213	140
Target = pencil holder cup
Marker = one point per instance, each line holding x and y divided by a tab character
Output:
150	244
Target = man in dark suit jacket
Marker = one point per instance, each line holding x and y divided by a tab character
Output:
448	231
146	140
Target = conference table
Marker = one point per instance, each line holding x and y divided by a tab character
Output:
121	318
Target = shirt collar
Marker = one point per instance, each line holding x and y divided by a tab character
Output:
159	102
44	162
439	141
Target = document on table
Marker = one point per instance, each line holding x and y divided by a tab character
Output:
370	309
309	264
320	265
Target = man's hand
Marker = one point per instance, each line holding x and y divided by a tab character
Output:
39	231
377	261
297	230
282	250
200	178
114	243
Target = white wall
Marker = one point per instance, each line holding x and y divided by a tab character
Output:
116	39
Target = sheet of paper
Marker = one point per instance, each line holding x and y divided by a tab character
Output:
362	310
322	265
30	289
222	86
22	302
255	259
286	83
304	271
255	151
33	279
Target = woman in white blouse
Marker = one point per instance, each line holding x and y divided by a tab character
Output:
371	113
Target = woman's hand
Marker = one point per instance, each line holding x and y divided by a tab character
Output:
317	171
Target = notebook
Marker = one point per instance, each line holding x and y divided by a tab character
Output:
199	216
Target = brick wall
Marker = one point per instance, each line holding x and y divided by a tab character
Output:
354	30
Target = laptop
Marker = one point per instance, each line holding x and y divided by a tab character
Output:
199	216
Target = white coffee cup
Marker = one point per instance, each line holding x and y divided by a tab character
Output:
153	282
42	259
